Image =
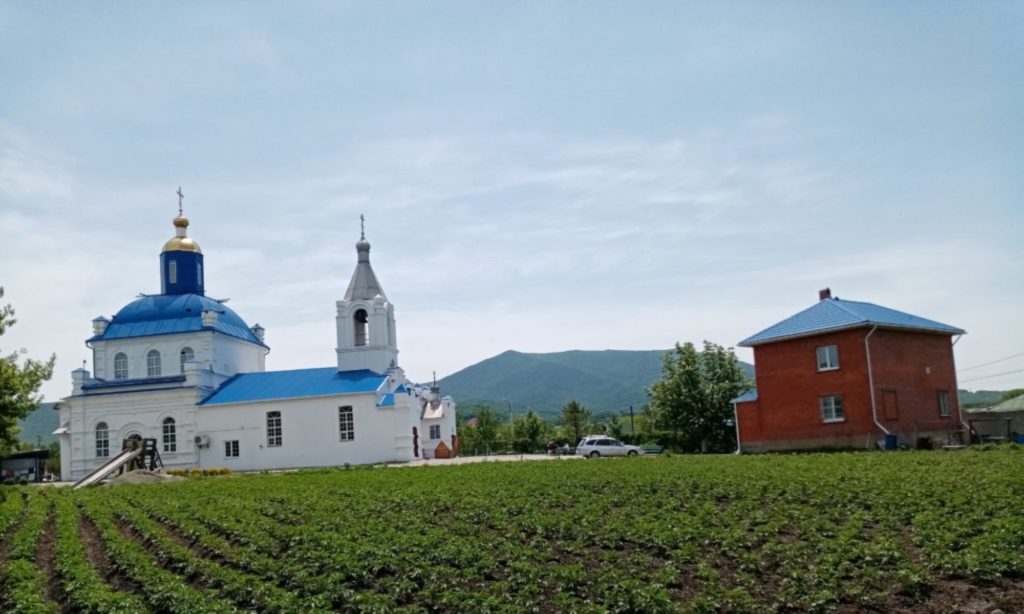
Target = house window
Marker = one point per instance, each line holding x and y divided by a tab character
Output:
231	448
170	436
102	440
120	366
153	363
828	358
172	271
273	429
346	424
832	408
186	355
945	409
362	328
435	431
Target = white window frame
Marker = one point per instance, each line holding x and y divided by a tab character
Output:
102	440
172	271
435	431
275	429
153	363
828	360
170	434
945	404
831	406
186	354
346	423
232	449
120	366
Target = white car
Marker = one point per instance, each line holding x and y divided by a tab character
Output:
594	446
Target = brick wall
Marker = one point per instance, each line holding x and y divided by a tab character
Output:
909	369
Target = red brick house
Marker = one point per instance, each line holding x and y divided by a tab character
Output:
844	374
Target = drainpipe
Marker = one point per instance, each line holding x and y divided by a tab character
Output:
736	419
871	381
956	389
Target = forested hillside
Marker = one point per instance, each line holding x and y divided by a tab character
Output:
603	381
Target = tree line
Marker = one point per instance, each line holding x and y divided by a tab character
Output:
689	410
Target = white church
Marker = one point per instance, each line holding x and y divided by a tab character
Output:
185	369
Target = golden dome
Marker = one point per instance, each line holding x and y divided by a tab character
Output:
180	242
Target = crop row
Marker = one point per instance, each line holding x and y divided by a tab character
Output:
811	533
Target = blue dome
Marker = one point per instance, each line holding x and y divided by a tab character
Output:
167	314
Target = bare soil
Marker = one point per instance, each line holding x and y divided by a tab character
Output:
192	580
93	543
46	553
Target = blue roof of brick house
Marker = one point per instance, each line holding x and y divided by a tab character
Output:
832	314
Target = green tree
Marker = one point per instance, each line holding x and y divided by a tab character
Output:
53	463
1011	394
576	420
693	397
483	436
613	427
19	385
530	430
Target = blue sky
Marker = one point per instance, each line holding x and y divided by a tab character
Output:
538	176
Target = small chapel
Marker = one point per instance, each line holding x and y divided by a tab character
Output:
185	369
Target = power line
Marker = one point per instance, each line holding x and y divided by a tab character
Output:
974	379
990	363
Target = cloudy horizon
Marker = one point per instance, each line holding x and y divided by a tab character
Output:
540	176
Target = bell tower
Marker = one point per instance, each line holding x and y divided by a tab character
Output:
366	320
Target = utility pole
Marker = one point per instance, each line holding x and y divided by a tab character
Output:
511	424
632	425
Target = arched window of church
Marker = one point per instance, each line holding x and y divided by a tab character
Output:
170	436
120	366
186	355
199	274
362	328
153	363
172	271
102	440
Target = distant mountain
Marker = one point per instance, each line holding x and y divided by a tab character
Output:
603	381
980	398
38	427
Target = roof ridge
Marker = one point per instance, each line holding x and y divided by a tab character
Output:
839	303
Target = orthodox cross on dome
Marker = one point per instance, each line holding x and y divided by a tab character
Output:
180	197
362	227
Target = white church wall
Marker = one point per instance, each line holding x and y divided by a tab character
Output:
125	414
224	354
381	350
445	430
137	348
231	356
310	435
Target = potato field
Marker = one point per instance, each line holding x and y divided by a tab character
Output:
911	531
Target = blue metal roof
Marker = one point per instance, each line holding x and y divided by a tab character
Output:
836	314
271	385
387	400
167	314
750	395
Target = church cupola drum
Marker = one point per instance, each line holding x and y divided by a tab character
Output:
181	261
